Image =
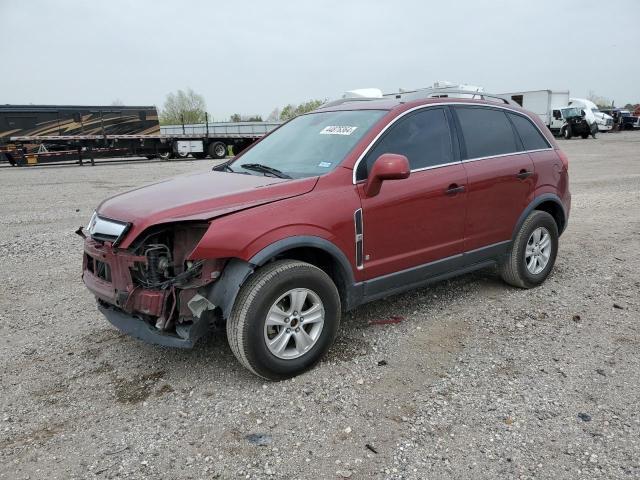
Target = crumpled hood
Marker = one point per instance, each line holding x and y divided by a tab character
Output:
198	196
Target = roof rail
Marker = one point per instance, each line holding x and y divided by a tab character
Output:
448	92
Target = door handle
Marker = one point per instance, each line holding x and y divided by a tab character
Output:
524	174
454	188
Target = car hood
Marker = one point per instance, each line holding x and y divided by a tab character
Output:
199	196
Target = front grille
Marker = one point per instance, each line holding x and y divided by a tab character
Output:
98	268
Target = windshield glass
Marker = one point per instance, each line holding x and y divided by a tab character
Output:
309	145
571	112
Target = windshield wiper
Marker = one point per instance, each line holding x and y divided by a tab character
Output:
224	167
258	167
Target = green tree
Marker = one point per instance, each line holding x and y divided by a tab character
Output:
187	105
235	118
291	111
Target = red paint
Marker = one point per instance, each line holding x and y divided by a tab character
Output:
407	221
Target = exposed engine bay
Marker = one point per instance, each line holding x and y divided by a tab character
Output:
154	279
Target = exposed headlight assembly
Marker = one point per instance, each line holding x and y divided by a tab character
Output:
105	229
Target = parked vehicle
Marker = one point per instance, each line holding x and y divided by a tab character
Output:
36	134
623	118
569	122
353	202
541	102
593	114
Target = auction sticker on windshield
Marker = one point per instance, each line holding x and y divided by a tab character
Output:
337	130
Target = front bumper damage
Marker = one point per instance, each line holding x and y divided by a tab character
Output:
171	316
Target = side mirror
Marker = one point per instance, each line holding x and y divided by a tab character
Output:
387	166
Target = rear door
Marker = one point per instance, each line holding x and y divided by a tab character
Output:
500	175
420	219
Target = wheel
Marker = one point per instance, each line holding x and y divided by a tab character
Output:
180	155
567	133
151	157
217	150
533	252
199	155
585	135
165	155
284	319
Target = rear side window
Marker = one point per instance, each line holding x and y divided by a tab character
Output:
423	137
531	137
487	132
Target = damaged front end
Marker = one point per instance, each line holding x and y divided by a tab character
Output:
152	290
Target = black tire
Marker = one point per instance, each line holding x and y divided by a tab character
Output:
217	150
246	324
585	135
199	155
567	133
514	268
165	155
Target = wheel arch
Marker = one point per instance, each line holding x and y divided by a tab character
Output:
318	252
314	250
549	203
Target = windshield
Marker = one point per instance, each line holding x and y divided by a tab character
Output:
309	145
571	112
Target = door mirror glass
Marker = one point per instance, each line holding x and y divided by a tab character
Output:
388	166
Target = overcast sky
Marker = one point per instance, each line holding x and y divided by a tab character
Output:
252	56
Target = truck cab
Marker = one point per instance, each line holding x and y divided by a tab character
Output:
569	121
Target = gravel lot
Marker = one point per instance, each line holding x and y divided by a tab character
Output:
477	380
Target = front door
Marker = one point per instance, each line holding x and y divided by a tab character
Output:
418	220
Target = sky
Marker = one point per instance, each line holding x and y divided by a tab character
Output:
250	57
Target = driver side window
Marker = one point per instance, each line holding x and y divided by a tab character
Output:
423	137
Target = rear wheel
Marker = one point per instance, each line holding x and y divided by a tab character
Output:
533	252
284	320
217	150
165	155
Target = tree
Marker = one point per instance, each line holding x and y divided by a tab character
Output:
236	117
187	106
601	102
117	103
291	111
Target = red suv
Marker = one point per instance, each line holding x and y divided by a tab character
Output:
353	202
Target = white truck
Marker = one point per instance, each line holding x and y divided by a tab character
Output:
593	114
552	106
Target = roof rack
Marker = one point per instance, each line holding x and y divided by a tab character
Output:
427	93
448	92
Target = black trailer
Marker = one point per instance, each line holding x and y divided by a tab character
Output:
31	135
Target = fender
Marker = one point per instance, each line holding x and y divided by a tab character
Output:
545	197
223	293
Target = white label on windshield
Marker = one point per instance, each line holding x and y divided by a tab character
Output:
324	164
338	130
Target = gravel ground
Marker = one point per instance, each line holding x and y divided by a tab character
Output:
477	380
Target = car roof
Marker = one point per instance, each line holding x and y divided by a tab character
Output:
394	103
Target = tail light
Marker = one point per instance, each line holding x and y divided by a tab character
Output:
564	158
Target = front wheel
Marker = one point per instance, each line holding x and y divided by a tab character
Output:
567	133
533	252
284	320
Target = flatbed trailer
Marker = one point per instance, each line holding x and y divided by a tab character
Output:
37	134
175	141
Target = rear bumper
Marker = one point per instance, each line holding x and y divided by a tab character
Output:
138	328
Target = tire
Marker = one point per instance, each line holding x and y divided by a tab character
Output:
217	150
585	135
514	270
567	133
165	155
248	332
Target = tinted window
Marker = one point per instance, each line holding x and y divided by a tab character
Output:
487	132
531	137
423	137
